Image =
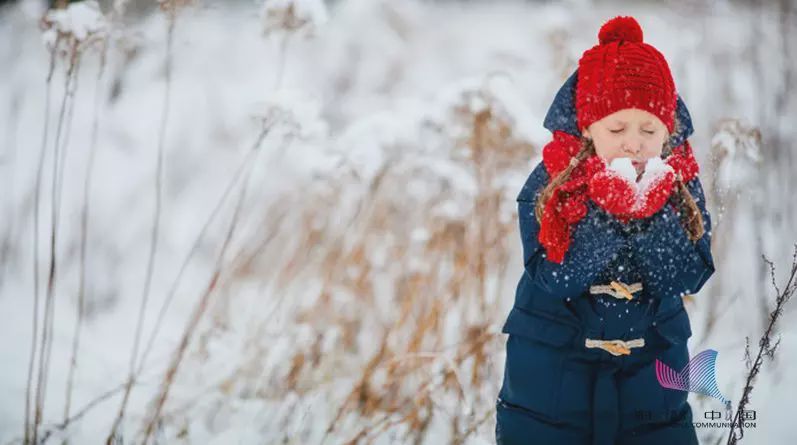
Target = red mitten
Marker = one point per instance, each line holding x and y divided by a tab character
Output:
683	161
612	191
616	190
655	189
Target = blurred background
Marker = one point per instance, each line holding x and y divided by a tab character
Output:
295	221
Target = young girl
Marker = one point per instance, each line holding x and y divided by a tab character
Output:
615	232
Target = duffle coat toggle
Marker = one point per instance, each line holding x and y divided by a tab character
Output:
622	291
617	289
615	347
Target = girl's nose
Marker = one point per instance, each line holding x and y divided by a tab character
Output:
632	146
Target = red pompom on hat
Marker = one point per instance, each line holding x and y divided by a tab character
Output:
620	29
623	71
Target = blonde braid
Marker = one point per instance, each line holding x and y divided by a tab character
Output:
691	218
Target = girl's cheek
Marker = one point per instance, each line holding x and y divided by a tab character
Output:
653	151
618	152
609	148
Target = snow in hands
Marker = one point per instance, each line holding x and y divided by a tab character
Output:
655	172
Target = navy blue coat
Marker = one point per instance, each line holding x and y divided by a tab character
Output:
668	262
655	251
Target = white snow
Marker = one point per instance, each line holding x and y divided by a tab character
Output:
625	168
79	21
655	169
363	202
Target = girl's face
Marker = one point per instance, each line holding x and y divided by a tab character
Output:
630	133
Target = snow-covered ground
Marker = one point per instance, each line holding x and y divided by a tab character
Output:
376	235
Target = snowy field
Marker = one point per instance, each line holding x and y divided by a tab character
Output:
333	220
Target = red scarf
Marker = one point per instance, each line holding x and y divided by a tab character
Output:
591	178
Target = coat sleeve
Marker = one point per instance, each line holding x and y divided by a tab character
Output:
671	264
595	240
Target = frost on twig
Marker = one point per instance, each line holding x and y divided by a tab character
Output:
293	16
78	26
737	148
172	6
487	118
766	346
736	163
294	113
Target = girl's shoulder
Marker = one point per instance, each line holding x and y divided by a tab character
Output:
536	180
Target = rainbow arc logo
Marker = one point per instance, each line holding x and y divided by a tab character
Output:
698	376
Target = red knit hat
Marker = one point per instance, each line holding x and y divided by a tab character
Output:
623	72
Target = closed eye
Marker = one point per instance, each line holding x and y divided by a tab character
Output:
649	132
617	131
